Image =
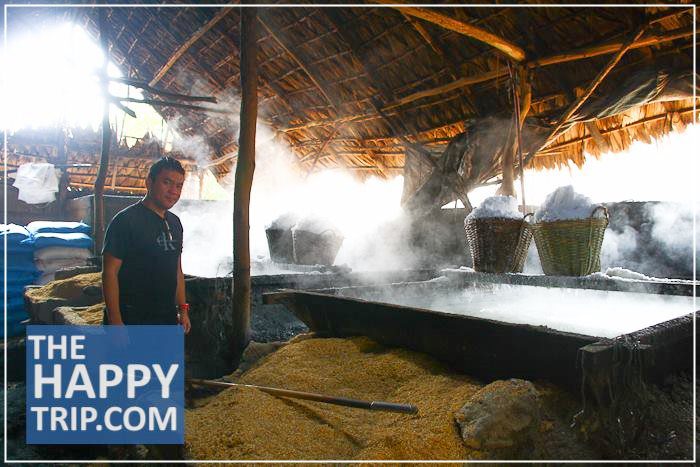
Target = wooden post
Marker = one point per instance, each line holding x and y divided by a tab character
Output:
62	159
98	219
521	90
245	168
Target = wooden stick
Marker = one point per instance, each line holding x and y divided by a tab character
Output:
578	54
512	50
146	87
587	93
171	104
245	169
310	396
184	47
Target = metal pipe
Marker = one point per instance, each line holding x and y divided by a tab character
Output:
359	404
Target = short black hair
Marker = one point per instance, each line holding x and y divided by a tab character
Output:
165	163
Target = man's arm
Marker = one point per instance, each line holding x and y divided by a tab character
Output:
181	297
110	287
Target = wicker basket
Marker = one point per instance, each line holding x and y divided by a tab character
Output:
571	247
498	245
281	245
313	248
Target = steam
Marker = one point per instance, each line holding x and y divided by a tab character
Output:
359	210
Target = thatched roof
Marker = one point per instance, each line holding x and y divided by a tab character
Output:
354	87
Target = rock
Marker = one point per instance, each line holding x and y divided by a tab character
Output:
254	352
502	417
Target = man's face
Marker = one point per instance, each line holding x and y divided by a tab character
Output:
165	190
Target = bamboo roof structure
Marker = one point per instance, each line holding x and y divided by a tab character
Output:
358	88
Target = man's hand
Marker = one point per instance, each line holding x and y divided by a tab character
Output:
184	319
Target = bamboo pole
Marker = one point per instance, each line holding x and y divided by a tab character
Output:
184	47
523	88
512	50
587	93
574	55
98	215
245	169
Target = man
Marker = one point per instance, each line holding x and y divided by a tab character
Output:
142	277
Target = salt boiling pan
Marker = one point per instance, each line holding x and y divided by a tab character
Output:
497	206
564	203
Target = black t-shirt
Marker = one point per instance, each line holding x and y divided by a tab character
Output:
149	247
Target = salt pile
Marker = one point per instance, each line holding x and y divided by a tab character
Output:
564	204
284	222
316	225
622	274
497	206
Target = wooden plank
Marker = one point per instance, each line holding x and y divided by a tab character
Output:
511	49
184	47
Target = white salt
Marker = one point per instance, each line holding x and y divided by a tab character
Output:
564	203
316	225
497	206
590	312
622	274
284	222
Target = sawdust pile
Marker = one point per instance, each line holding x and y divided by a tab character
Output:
69	289
243	423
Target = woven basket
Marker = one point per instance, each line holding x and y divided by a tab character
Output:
498	245
571	247
313	248
281	246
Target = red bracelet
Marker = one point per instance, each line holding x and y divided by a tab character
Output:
185	307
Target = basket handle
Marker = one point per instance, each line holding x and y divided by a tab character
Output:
605	210
527	215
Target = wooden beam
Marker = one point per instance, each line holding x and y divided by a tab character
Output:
512	50
115	187
184	47
574	55
563	120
